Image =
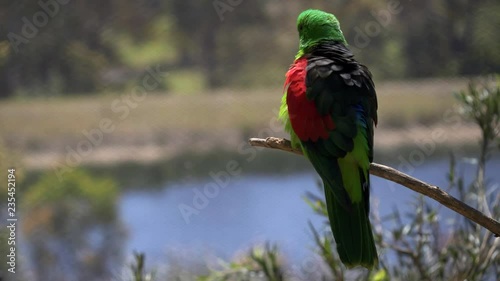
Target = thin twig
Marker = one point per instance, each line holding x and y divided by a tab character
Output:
403	179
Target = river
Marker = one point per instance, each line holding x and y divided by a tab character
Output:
251	210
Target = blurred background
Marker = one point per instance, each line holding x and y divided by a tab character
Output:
127	124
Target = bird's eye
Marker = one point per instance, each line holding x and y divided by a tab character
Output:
300	27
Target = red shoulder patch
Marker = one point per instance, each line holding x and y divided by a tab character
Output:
306	122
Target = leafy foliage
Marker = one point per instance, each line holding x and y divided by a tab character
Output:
138	268
260	263
72	223
481	104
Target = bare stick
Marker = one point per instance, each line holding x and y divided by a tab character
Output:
403	179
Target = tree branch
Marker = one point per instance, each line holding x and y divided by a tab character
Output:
403	179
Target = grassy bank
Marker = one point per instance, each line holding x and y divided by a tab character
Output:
194	166
167	125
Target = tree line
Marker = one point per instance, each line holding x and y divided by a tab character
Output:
52	47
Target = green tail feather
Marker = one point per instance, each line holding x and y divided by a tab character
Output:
347	190
352	232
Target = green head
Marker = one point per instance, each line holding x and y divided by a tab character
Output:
315	26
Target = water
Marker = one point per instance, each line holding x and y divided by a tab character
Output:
251	210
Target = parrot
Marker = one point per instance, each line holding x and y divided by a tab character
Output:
329	108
